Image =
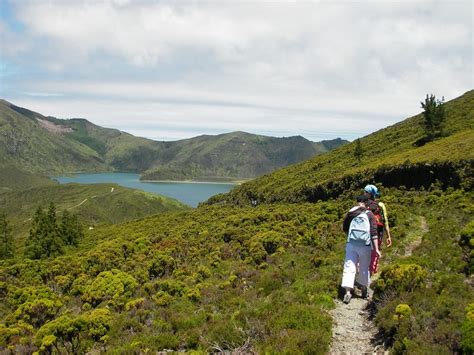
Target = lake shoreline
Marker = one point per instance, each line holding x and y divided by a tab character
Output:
191	181
189	192
232	182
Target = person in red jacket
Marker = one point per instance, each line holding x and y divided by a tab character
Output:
379	210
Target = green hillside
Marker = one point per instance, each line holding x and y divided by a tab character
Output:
240	279
26	144
39	144
93	204
12	179
391	157
236	155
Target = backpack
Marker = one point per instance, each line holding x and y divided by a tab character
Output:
359	229
378	213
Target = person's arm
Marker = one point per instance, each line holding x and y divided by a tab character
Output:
346	223
386	226
373	233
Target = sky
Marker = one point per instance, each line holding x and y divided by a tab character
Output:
169	70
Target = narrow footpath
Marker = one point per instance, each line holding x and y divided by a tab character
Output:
353	332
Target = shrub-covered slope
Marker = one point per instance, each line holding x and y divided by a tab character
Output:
26	144
12	178
93	204
391	157
236	155
261	279
224	277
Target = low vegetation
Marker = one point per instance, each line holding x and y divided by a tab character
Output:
423	300
241	278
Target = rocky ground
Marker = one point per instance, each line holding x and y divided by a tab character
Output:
353	331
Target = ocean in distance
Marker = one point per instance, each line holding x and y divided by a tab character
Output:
190	193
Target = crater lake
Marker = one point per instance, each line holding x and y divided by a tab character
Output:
190	193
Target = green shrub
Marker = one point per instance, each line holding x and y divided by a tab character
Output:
467	330
402	311
109	285
401	278
38	311
271	241
98	322
299	329
67	333
467	243
161	265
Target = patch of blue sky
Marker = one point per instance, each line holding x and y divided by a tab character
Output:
7	16
8	71
8	68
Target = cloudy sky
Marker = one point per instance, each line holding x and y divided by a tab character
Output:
168	70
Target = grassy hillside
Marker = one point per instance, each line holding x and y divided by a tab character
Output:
236	155
12	179
93	204
26	144
233	155
391	157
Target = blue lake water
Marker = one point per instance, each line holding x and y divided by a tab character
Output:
188	193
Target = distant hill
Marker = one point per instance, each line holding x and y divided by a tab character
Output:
41	144
26	142
13	178
391	157
94	204
236	155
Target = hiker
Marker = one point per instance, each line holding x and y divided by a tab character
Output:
361	229
379	210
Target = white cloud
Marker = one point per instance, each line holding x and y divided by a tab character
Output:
278	67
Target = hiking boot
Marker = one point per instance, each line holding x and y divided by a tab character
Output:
365	292
347	298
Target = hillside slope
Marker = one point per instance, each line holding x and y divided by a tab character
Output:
236	155
391	157
226	278
93	204
13	179
27	141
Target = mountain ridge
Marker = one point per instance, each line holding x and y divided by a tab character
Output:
76	144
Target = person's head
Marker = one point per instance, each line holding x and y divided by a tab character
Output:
362	200
371	191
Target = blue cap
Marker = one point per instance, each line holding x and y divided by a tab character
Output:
372	189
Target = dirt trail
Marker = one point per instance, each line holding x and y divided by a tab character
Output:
111	191
415	242
353	332
70	208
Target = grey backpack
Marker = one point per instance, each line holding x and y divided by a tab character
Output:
359	230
